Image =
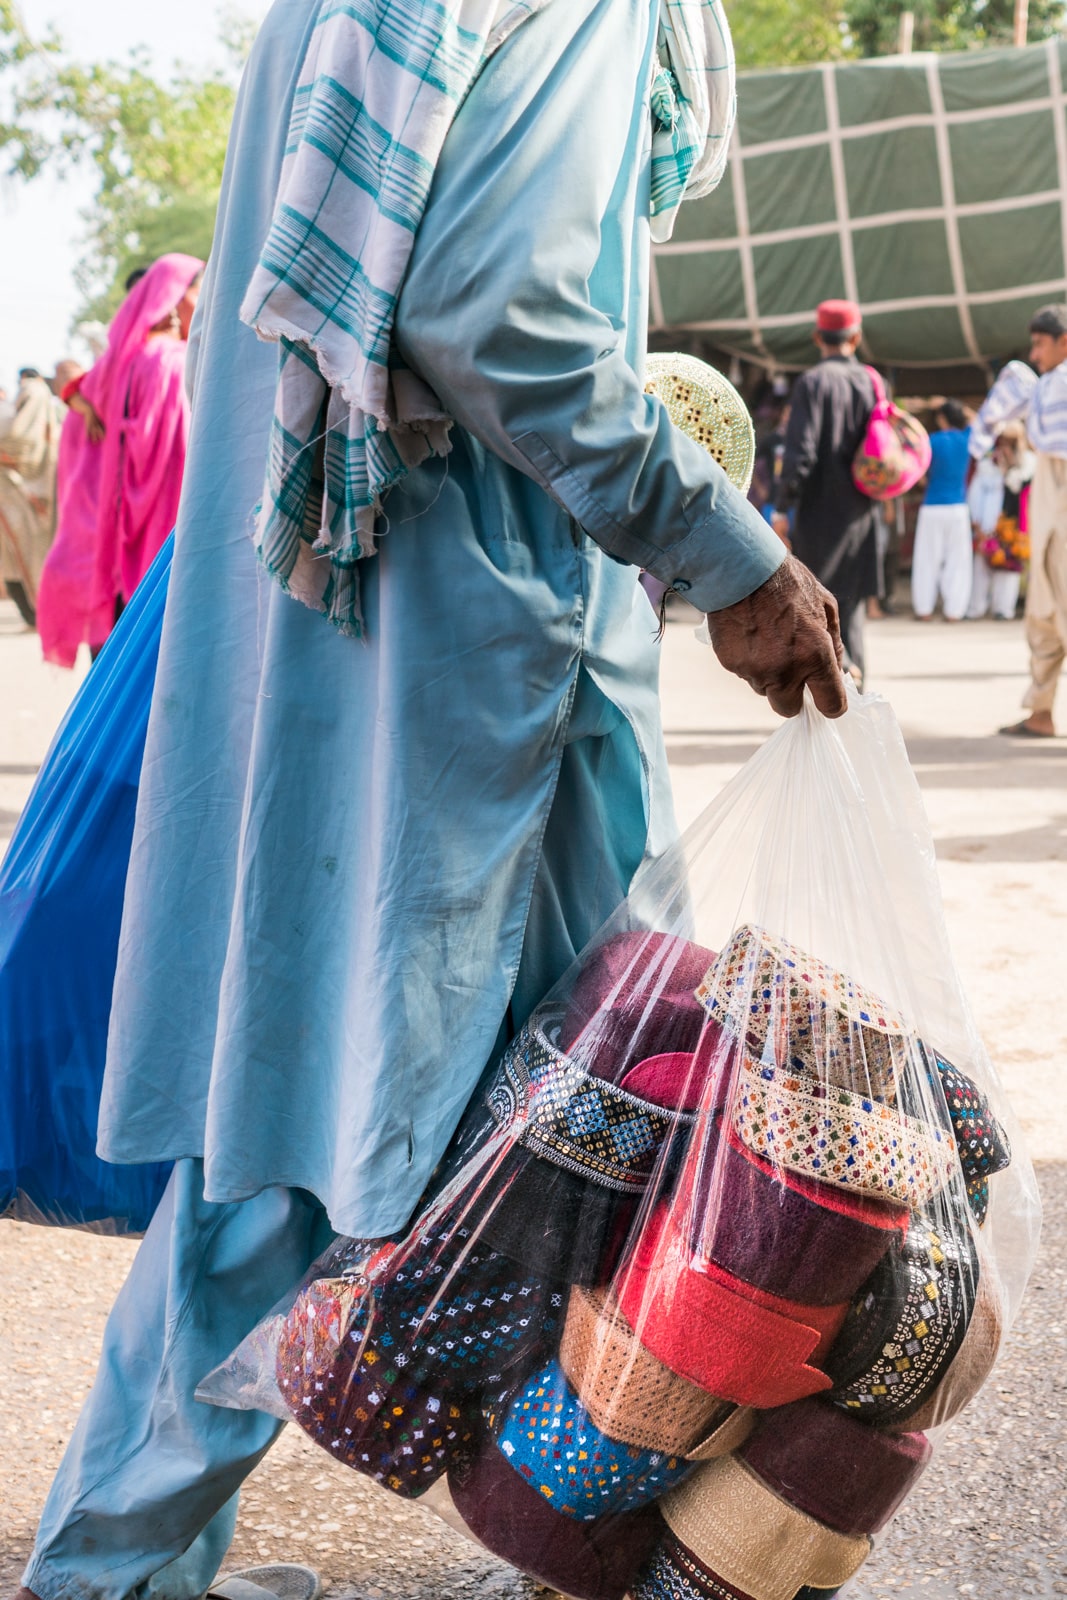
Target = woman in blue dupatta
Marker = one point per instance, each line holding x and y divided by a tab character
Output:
358	863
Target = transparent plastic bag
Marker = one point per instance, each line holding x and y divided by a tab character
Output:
740	1215
61	889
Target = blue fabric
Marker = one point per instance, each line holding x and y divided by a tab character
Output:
145	1501
351	858
61	890
946	482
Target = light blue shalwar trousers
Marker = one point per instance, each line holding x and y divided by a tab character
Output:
358	865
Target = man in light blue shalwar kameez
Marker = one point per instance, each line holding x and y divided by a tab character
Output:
360	862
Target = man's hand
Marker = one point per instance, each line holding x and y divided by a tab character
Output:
782	638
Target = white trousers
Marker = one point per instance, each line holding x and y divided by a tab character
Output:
942	563
993	589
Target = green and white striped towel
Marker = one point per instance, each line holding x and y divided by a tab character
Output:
380	86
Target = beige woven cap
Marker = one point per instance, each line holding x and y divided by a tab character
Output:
754	1541
819	1020
634	1398
974	1360
707	407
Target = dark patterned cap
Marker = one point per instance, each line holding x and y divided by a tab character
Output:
904	1329
576	1154
381	1373
982	1143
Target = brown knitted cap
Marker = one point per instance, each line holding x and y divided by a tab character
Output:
631	1396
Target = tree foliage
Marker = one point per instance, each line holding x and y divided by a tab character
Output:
156	147
947	24
787	33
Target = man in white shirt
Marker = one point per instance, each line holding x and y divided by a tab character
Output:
1042	400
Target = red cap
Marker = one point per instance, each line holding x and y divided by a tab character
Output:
838	316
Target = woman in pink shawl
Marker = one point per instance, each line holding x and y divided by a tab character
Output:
123	457
65	614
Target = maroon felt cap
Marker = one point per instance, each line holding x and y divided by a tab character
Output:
844	1473
635	998
590	1560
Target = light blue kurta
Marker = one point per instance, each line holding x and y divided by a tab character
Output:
352	858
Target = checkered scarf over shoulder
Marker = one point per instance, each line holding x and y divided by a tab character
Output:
378	91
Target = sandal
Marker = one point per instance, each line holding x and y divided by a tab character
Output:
1023	730
283	1580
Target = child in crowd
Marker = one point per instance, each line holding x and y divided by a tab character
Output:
942	562
997	501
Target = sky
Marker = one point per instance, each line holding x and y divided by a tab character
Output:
40	223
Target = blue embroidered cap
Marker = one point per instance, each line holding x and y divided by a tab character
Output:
547	1436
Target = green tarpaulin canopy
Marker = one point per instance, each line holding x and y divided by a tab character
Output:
930	188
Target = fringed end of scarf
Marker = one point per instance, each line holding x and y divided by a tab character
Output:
315	579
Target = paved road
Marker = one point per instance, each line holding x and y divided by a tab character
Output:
988	1520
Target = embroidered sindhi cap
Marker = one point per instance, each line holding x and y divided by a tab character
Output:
792	1009
828	1464
712	1328
975	1360
905	1328
981	1143
634	998
548	1438
359	1405
707	407
778	1230
374	1369
852	1141
632	1397
578	1156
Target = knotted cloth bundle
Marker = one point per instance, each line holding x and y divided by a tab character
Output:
634	1398
797	1010
851	1140
730	1530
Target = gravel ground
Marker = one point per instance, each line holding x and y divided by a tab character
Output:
987	1521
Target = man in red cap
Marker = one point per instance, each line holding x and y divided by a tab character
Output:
834	531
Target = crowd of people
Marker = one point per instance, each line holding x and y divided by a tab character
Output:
974	531
91	465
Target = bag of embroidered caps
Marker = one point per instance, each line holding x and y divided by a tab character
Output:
738	1217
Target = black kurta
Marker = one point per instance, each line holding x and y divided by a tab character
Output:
835	530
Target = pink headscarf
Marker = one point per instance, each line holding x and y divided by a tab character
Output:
106	388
